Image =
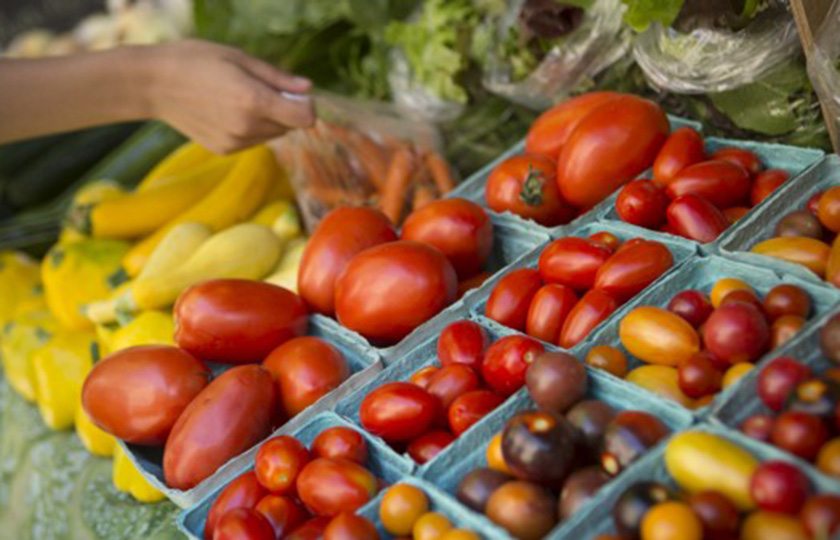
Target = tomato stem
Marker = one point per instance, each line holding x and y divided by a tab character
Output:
532	188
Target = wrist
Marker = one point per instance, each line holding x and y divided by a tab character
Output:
141	70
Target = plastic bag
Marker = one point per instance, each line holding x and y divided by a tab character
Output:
513	67
363	154
824	63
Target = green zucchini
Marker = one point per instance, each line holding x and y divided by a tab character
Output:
14	156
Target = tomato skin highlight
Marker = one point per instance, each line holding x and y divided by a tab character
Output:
511	298
572	262
642	203
738	156
525	185
342	234
278	462
722	183
632	269
506	362
471	407
387	291
593	308
611	145
696	218
341	442
398	411
462	342
684	147
549	309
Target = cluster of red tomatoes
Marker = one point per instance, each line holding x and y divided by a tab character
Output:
166	396
299	493
694	195
356	268
548	463
808	237
425	414
700	344
577	154
544	302
804	408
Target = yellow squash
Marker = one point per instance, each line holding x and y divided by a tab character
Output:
128	479
20	285
60	369
95	440
286	272
233	200
147	328
185	157
20	339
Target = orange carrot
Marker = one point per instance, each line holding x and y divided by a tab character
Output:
372	158
440	172
397	180
423	195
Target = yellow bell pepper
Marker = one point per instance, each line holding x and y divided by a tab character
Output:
147	328
20	281
128	479
20	339
80	273
60	369
97	441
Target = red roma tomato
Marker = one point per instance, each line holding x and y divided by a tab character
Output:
633	268
572	262
305	369
610	146
511	297
422	376
738	156
506	362
342	234
462	342
459	228
765	184
526	186
691	305
592	309
425	447
813	204
243	524
642	203
683	147
470	408
283	513
449	382
244	492
696	218
341	442
329	486
398	411
779	379
828	210
389	290
778	486
737	332
279	460
606	239
349	526
137	394
237	321
721	183
311	530
549	309
234	412
552	128
735	213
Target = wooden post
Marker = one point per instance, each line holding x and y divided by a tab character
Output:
809	15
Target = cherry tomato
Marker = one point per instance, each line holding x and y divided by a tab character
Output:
828	459
243	492
671	520
506	362
283	513
590	311
330	248
527	511
243	524
735	373
784	329
305	369
800	434
771	525
430	526
611	145
137	394
828	211
606	239
721	183
746	297
609	359
341	442
724	286
551	129
691	305
471	407
719	517
389	290
696	218
660	380
698	377
746	159
786	299
549	309
657	336
329	486
758	427
234	412
311	530
778	380
278	462
511	297
462	342
813	204
632	268
525	185
495	457
766	183
460	534
683	147
778	486
808	252
642	203
572	262
402	505
736	332
735	213
422	376
800	223
459	228
627	436
398	411
451	381
427	446
821	515
237	321
349	526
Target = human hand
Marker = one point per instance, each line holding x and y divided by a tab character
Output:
222	98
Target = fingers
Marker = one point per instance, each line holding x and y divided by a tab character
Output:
291	110
274	77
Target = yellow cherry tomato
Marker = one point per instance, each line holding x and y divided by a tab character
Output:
657	336
734	373
662	381
771	526
671	521
401	507
808	252
460	534
724	286
828	460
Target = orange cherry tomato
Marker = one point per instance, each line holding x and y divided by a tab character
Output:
828	211
657	336
734	374
401	507
671	520
808	252
772	526
431	526
832	270
609	359
828	460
